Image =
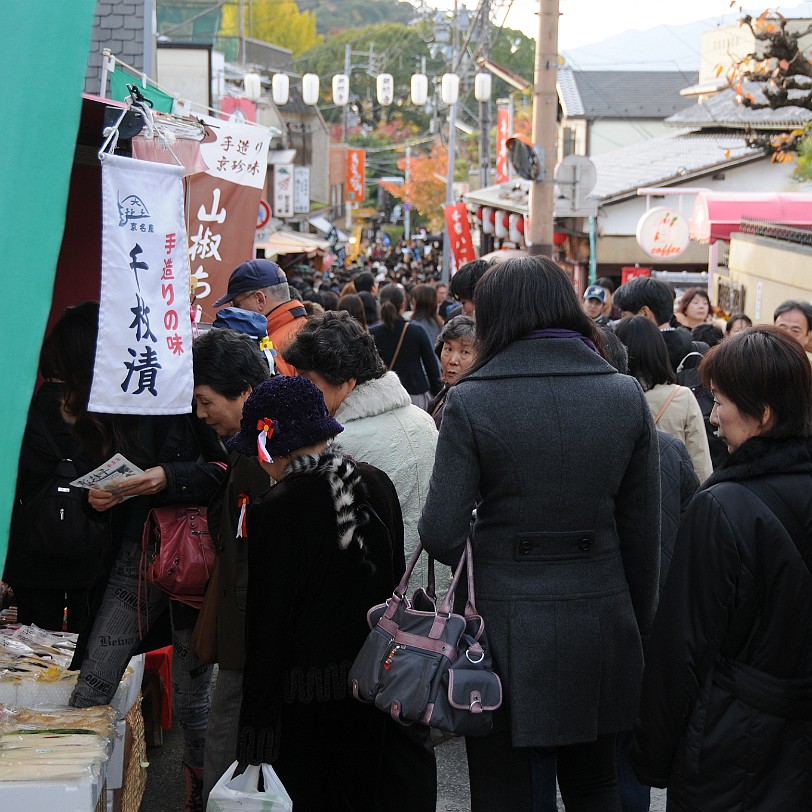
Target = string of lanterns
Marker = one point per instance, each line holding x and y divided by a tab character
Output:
384	86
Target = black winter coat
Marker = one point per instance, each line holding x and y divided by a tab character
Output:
416	365
678	483
726	711
308	597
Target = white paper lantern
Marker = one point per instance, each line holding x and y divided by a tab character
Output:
450	88
385	86
488	220
419	89
310	88
516	228
253	85
341	89
500	227
280	88
482	87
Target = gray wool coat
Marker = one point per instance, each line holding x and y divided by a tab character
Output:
563	453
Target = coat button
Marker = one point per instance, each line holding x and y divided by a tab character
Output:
585	544
525	548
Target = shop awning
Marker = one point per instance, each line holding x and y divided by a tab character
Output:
717	215
292	242
323	225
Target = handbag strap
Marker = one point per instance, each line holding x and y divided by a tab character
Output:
665	405
400	344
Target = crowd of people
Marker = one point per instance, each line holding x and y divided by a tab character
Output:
635	479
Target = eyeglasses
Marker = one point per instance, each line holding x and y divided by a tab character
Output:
236	300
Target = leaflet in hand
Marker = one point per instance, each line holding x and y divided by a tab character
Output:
109	474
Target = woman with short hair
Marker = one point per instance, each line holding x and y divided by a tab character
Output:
566	551
455	348
726	710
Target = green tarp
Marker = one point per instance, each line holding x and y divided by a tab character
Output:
45	46
120	78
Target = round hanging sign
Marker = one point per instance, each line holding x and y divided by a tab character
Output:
662	233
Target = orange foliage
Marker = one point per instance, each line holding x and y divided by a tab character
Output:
425	190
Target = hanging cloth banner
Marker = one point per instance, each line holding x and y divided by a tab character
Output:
223	205
503	125
144	353
459	234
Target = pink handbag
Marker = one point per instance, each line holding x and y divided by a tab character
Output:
178	552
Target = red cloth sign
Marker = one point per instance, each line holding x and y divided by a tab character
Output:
356	182
459	234
502	132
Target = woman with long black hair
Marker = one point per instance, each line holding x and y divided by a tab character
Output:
406	348
561	455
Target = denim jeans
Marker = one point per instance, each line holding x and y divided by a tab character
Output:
123	619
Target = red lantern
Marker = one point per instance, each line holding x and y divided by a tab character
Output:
520	225
478	214
559	238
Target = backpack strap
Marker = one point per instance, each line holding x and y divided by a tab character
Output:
778	505
400	344
38	422
674	390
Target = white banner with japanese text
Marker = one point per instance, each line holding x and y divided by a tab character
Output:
223	205
144	352
283	190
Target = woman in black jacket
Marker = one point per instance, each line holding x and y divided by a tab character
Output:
405	348
183	462
726	711
324	545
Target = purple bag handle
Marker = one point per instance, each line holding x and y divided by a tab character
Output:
444	609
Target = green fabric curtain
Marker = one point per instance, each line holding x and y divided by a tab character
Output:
45	46
120	78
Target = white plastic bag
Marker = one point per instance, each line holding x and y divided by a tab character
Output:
242	792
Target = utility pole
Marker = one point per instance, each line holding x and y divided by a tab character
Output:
545	108
241	13
485	120
407	208
452	146
347	70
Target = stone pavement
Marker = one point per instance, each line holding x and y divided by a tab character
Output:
164	791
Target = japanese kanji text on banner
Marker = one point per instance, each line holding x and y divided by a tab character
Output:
356	182
459	234
223	204
502	132
144	352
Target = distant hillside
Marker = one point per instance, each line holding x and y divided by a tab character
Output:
336	15
666	47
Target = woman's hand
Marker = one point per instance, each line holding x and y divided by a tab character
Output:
152	481
102	500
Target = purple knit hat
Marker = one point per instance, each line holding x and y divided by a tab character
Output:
292	413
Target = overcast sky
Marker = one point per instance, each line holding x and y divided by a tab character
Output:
586	21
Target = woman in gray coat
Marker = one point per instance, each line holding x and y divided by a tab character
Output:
563	454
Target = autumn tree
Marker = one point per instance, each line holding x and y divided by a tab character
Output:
278	22
425	189
781	76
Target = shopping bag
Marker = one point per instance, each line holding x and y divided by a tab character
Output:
241	792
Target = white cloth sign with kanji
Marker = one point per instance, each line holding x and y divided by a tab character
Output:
144	354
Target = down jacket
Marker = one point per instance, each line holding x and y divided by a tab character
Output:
384	428
726	711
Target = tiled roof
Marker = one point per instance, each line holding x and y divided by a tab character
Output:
722	110
667	158
659	161
622	94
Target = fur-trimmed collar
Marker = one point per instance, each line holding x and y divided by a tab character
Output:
372	398
763	455
347	489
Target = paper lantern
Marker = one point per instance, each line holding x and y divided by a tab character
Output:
500	229
482	87
341	89
280	88
253	85
559	238
385	87
419	89
450	88
488	219
310	89
515	233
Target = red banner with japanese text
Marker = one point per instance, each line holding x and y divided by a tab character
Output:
502	135
356	180
223	205
459	234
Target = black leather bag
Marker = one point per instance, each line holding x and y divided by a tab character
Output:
423	663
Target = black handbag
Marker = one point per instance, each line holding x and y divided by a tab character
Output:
423	663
